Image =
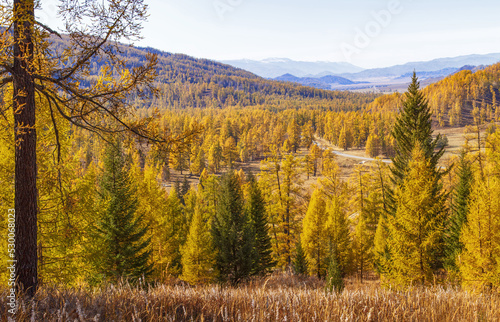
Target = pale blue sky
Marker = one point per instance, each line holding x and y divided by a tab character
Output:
323	29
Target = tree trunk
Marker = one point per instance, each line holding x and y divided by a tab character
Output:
25	136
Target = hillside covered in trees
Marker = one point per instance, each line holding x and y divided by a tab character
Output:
465	98
187	82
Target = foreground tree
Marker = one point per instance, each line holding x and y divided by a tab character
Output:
125	251
414	127
459	210
198	257
231	232
256	209
92	29
413	131
300	261
416	228
314	240
480	259
339	236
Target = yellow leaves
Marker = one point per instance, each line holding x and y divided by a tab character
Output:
480	260
313	238
198	256
416	227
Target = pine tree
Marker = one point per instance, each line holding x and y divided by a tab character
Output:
300	264
293	132
345	139
184	189
179	159
459	210
151	201
416	228
315	154
199	163
480	259
314	241
231	232
414	126
263	261
198	257
174	234
125	250
335	276
229	152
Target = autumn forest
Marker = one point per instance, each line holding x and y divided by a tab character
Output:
173	188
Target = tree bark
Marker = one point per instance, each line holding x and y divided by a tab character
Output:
25	136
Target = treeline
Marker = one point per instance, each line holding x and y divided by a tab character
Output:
465	98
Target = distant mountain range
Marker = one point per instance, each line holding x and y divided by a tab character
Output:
274	67
329	75
445	66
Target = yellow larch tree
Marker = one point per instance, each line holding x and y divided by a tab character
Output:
198	256
313	238
479	263
416	227
338	234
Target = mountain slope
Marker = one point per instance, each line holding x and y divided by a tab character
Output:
187	82
464	98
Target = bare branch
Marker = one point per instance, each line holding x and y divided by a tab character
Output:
47	28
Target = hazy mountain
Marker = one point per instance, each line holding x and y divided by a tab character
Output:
440	67
275	67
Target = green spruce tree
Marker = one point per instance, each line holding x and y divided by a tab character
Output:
231	232
256	209
125	250
459	210
334	276
414	126
300	263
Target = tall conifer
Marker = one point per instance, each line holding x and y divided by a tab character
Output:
231	231
314	239
120	228
198	257
416	227
414	126
263	261
459	209
479	262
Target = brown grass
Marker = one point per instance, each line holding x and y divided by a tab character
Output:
281	297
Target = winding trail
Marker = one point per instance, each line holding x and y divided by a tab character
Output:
359	158
345	155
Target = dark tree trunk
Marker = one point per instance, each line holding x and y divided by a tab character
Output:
25	136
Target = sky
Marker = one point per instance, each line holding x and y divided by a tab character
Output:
366	33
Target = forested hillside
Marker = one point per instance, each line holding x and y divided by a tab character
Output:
465	98
185	82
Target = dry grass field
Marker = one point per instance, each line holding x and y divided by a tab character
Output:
281	297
